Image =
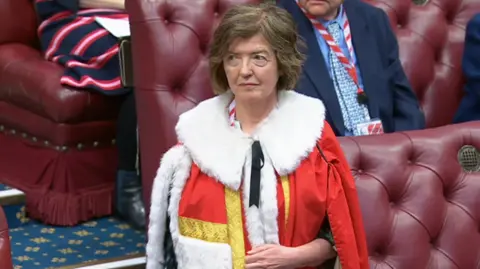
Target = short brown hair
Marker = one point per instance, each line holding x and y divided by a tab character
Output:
277	27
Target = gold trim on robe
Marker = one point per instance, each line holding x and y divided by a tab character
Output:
203	230
286	195
235	227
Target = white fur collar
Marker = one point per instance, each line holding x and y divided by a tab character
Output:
287	136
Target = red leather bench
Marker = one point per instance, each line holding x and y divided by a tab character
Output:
5	252
420	209
57	144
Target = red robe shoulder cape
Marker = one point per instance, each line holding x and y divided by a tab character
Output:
212	226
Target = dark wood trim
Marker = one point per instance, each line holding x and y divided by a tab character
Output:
75	266
12	200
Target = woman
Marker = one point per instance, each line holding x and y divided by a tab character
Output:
258	177
71	37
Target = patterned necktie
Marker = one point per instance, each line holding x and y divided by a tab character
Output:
353	113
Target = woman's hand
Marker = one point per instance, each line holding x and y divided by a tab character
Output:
311	254
270	257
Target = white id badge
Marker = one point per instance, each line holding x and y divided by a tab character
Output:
372	127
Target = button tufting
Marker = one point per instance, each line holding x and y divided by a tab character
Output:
380	252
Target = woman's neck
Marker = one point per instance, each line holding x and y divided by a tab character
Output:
250	114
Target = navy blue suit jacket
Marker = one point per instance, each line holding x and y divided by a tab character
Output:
469	108
390	96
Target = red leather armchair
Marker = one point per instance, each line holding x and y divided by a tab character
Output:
420	209
56	143
5	252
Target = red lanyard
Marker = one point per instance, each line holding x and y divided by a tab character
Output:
232	113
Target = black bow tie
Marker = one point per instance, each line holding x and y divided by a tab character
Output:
257	164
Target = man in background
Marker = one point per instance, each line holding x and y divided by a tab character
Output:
353	67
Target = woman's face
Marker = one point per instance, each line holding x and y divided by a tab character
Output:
251	69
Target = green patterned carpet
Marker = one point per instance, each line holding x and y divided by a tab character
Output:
37	246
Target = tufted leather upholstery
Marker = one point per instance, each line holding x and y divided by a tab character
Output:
420	209
5	253
431	38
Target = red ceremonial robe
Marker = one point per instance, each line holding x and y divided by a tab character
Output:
210	221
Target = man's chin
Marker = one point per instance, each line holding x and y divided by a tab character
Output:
318	10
